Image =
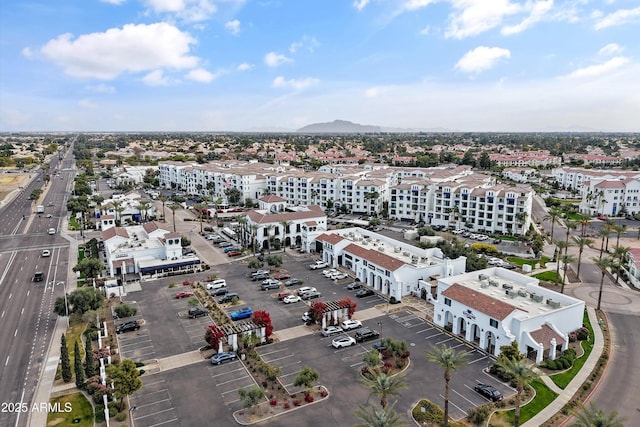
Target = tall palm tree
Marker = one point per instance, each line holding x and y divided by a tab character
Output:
370	416
603	233
200	207
254	236
581	242
571	225
560	245
143	207
522	377
620	255
554	216
117	207
174	207
285	232
385	386
448	359
619	229
584	222
163	199
594	417
566	260
603	264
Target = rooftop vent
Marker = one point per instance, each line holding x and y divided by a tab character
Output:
482	277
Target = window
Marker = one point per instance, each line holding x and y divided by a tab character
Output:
447	301
493	323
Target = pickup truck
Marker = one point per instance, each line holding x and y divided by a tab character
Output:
243	313
317	265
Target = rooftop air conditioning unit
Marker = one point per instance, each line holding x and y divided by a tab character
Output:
506	286
522	293
397	249
549	301
381	248
493	282
414	261
405	253
554	304
484	284
537	298
365	243
482	277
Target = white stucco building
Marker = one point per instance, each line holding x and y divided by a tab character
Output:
494	307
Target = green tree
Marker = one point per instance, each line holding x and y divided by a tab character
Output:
593	417
554	216
89	364
251	396
77	365
233	195
163	199
126	379
89	267
449	360
80	301
560	245
64	360
619	229
371	416
306	377
581	242
484	161
385	386
174	207
372	358
522	377
566	260
603	233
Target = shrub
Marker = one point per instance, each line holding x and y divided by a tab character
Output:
273	402
551	364
296	402
121	416
583	334
124	310
308	398
392	300
113	409
426	412
323	393
479	415
286	405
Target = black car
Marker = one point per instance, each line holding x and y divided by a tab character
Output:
366	334
228	297
197	312
354	285
488	391
364	293
220	291
126	327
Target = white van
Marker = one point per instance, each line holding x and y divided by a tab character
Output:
216	284
52	231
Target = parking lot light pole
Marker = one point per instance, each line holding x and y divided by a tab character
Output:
380	327
133	408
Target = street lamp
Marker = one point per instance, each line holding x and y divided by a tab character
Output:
133	408
380	328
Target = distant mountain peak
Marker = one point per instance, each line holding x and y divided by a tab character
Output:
339	126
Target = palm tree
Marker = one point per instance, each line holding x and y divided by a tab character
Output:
594	417
554	216
374	417
566	260
571	225
449	360
163	199
619	229
581	242
285	232
385	386
522	377
604	233
174	207
117	207
254	235
603	264
560	245
200	207
143	206
620	254
584	222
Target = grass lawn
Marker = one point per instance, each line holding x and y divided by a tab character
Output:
73	224
532	262
563	379
81	413
72	334
548	276
544	396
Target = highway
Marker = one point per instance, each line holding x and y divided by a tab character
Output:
26	307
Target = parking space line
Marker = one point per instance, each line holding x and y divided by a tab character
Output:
290	364
235	390
434	335
356	364
271	352
424	330
159	412
227	372
459	408
147	394
154	402
137	348
443	341
164	422
230	381
409	325
477	360
279	358
286	375
464	397
459	345
157	382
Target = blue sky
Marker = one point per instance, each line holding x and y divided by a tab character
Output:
247	65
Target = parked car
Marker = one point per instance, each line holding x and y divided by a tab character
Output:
349	324
228	297
317	265
292	282
46	253
197	312
365	293
331	330
329	272
184	294
458	231
219	292
339	276
354	285
230	248
284	294
234	253
261	276
488	391
216	284
311	295
225	244
602	217
291	299
270	284
366	334
282	276
243	313
128	326
52	231
304	289
259	272
223	356
306	317
345	341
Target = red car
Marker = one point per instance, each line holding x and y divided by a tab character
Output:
184	294
282	276
602	218
234	253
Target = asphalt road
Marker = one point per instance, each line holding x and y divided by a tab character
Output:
26	307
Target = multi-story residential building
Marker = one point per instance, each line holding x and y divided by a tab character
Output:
494	307
610	197
521	174
594	159
574	178
388	266
633	266
526	158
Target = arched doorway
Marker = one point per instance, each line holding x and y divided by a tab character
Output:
462	326
423	293
448	321
475	334
298	240
287	241
490	343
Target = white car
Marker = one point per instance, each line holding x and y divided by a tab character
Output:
46	253
329	272
291	299
351	324
317	265
331	330
345	341
216	284
339	276
458	231
305	289
52	231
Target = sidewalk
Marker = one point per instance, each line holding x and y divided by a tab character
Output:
564	396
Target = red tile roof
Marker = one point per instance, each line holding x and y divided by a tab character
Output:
331	238
112	232
172	235
152	226
376	257
260	218
478	301
544	336
272	198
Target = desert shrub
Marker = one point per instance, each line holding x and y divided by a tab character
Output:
121	416
125	310
286	405
296	402
583	334
479	415
323	393
308	398
273	402
426	412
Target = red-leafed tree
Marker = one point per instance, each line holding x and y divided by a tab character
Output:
349	304
263	318
317	309
213	334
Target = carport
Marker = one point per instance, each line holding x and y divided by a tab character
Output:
241	328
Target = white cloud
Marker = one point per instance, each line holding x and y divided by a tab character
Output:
619	17
481	58
116	2
86	103
538	11
233	27
610	49
101	88
187	10
472	17
201	75
425	31
297	84
374	92
132	48
307	43
600	70
245	66
416	4
274	59
360	4
155	78
27	52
